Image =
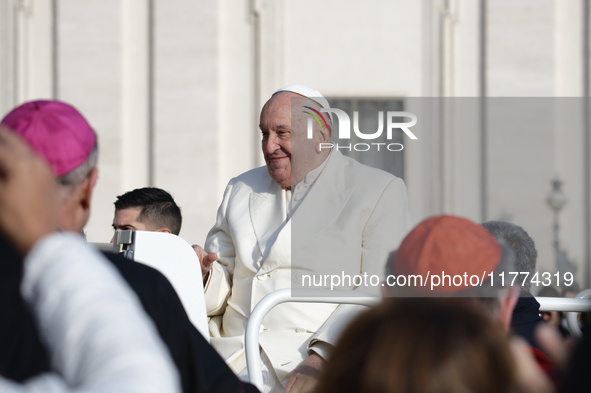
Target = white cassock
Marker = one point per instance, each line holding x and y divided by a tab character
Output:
344	218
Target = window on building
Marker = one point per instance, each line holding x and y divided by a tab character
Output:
368	109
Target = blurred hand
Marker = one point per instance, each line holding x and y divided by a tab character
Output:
554	345
206	260
530	377
305	376
28	195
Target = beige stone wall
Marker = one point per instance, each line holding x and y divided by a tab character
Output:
174	89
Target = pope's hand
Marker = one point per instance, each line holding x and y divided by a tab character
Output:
206	260
305	376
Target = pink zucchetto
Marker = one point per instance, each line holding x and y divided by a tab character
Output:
55	130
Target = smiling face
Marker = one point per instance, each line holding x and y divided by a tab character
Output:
281	132
276	133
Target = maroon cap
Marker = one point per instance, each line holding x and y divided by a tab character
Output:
450	246
55	130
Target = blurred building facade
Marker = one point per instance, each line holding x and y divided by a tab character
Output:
174	88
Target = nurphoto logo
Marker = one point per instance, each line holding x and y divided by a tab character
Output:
392	123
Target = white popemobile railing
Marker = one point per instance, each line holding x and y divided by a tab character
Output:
581	303
253	356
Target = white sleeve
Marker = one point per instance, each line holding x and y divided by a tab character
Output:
219	240
98	336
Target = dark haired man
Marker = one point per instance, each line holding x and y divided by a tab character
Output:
147	209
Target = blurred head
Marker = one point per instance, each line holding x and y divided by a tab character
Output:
147	209
62	136
522	245
421	345
455	257
289	153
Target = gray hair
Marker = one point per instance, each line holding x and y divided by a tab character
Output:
78	174
522	245
68	182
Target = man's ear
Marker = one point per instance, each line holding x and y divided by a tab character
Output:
322	137
88	187
325	134
165	230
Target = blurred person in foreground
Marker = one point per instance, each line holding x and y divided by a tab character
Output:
527	317
453	257
97	335
421	346
147	209
65	140
309	210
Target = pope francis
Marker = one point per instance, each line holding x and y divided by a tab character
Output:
310	210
